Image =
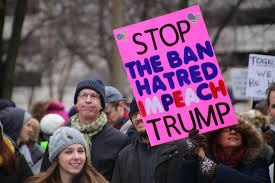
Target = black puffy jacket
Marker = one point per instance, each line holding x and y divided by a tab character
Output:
168	157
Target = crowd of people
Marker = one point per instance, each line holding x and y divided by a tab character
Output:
101	139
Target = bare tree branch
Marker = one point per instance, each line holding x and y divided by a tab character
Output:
63	78
226	20
13	47
36	27
2	22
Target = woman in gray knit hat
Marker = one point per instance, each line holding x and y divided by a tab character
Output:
68	155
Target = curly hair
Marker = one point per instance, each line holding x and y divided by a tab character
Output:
38	109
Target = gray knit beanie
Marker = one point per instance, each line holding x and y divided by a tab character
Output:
62	138
27	116
95	84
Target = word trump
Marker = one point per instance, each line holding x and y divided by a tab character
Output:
178	123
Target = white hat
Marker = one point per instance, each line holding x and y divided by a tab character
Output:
50	122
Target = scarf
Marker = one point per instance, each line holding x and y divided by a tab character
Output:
89	130
9	144
26	152
230	160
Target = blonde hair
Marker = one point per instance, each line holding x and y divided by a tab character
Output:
35	129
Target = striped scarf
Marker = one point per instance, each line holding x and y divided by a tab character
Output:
89	130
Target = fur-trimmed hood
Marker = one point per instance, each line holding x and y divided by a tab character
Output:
257	118
250	135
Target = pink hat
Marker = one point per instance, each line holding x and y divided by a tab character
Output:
56	107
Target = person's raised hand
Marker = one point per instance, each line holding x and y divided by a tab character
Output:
268	134
196	143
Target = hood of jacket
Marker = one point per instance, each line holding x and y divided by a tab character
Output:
6	103
12	121
257	118
251	137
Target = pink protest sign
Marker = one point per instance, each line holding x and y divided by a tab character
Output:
175	76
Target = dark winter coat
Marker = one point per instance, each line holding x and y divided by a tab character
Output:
167	160
12	120
4	103
252	167
36	152
105	148
19	174
255	172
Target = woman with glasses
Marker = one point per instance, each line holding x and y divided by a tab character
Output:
228	155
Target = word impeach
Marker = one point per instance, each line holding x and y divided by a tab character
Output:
190	96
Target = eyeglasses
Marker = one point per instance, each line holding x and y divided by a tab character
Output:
84	95
230	128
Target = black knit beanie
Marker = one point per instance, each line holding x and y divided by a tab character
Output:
133	107
95	84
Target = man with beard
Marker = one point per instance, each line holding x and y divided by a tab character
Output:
104	142
139	162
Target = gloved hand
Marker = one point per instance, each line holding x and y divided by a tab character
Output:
195	142
196	146
207	167
268	134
